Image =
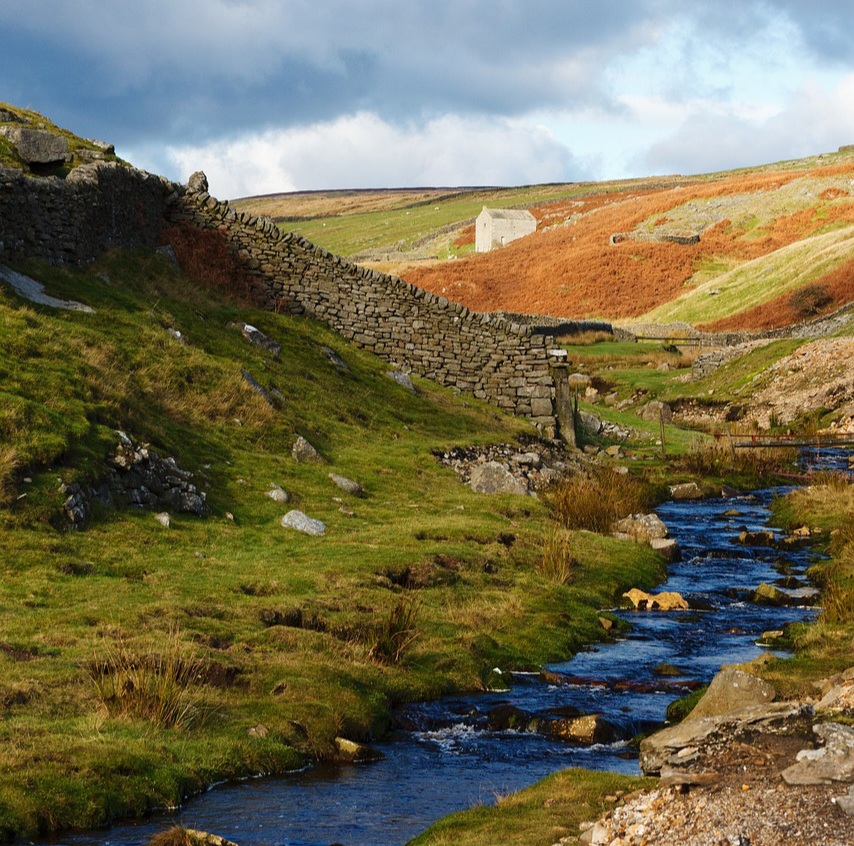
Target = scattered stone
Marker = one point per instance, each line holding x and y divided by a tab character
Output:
347	485
248	378
606	623
686	491
303	452
579	381
176	335
589	423
164	519
257	338
402	379
665	601
761	538
33	291
728	492
335	360
495	478
302	523
258	731
588	729
278	494
731	690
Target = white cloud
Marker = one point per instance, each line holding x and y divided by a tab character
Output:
362	151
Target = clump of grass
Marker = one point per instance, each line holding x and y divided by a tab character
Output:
557	562
159	685
594	500
720	460
393	636
177	835
8	468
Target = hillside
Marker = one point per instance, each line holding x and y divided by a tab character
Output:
764	234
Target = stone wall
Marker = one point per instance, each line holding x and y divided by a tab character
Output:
490	357
73	220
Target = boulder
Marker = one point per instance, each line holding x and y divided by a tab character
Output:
357	753
258	339
642	528
302	523
589	423
838	696
402	379
665	601
347	485
589	729
767	594
164	519
663	748
731	690
495	478
579	381
686	491
198	182
303	452
762	538
511	718
35	146
278	494
832	762
657	410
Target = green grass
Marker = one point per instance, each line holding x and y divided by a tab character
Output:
758	281
113	595
538	816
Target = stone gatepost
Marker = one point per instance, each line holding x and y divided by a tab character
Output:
563	396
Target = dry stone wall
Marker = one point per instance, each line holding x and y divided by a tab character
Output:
73	220
498	360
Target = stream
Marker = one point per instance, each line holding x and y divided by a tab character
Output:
447	759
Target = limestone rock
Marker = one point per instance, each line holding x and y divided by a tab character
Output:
832	762
665	601
258	339
35	146
164	519
686	491
495	478
302	523
579	381
303	452
335	360
731	690
589	423
402	379
347	485
278	494
657	410
641	527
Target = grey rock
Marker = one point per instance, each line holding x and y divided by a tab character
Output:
198	182
686	491
657	410
335	360
248	378
642	528
589	423
402	379
278	494
528	459
258	339
35	146
34	291
8	117
164	519
347	485
302	523
668	548
495	478
303	452
662	748
832	762
731	690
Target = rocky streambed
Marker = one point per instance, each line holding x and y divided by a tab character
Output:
450	754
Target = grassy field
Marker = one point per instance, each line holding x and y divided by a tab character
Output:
139	662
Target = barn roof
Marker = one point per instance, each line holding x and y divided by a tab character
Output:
508	214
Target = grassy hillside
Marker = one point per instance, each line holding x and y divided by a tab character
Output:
142	663
765	233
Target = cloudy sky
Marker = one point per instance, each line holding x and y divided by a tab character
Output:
283	95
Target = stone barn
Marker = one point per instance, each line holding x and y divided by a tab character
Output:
497	227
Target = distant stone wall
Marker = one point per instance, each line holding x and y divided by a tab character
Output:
74	220
495	359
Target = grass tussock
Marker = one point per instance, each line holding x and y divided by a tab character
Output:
594	500
8	469
159	684
394	635
719	460
177	835
557	562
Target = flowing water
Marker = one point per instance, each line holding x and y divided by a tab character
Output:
448	759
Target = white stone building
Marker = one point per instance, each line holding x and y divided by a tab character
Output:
497	227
